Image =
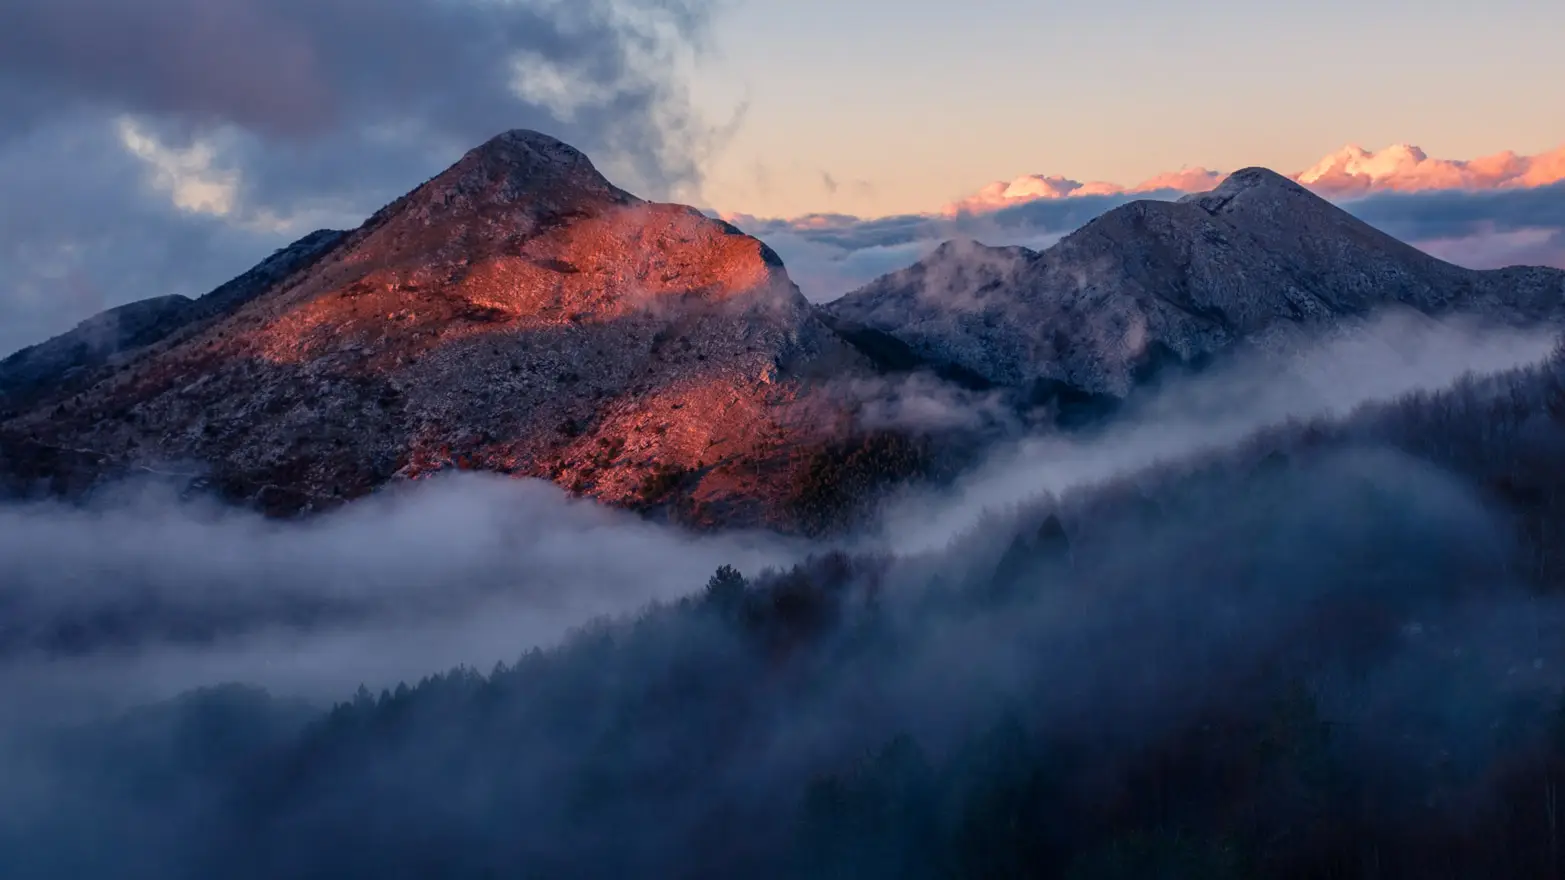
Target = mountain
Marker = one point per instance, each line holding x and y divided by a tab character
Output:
517	313
520	314
1152	284
72	359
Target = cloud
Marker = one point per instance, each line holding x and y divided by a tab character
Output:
825	271
831	254
856	187
1491	249
1455	214
139	596
1382	587
309	69
1377	360
187	175
95	226
1405	168
1351	171
1043	187
217	131
1484	213
828	255
922	403
1480	230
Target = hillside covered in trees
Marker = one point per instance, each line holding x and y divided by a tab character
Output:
1334	651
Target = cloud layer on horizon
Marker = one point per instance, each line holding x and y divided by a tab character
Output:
168	146
1351	171
1485	213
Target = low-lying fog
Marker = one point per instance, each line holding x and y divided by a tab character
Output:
140	596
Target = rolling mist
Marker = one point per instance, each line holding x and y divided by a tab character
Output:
140	595
1356	363
1110	620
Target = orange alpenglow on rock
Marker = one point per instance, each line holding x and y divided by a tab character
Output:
519	314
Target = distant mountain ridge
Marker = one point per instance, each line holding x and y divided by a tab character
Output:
520	314
70	359
1156	282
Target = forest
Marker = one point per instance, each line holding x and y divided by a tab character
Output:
1332	651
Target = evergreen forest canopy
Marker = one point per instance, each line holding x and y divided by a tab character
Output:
1334	650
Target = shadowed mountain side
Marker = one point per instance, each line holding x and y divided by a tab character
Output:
72	361
1259	260
518	313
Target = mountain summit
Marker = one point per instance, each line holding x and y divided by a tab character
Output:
1152	283
520	314
517	313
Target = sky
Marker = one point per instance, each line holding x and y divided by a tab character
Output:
165	146
927	101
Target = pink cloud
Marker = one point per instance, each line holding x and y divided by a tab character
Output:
1483	213
1405	168
1348	172
1032	187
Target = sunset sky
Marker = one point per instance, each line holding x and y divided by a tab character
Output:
164	146
927	101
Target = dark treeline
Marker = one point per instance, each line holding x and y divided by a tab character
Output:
1334	652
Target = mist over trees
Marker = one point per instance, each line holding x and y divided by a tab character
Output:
1333	650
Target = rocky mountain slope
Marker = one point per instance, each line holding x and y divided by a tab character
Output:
1151	284
518	313
71	361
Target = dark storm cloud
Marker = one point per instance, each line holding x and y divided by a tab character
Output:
595	72
309	68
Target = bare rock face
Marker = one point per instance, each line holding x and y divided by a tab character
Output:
1155	283
518	313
